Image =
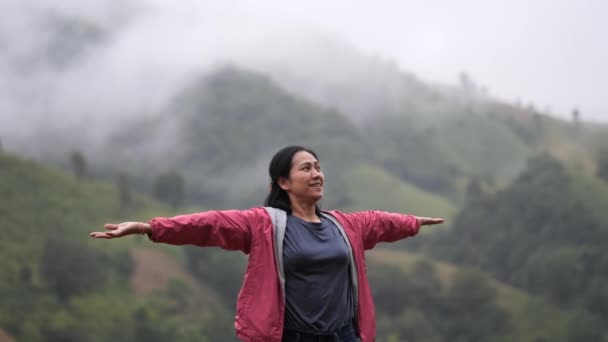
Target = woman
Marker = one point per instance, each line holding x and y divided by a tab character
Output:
306	276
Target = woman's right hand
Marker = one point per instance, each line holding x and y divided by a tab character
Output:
122	229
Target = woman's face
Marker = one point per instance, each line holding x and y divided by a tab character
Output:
305	178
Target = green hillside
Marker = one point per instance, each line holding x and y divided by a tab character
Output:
482	146
531	318
546	233
59	284
370	187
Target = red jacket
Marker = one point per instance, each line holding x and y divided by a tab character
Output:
260	303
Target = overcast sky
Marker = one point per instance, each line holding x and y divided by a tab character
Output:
553	53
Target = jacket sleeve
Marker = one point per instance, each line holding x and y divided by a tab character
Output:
228	229
380	226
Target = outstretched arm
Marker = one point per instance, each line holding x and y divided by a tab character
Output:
380	226
228	229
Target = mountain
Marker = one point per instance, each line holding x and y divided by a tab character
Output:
331	72
228	123
374	188
510	313
460	127
546	233
222	131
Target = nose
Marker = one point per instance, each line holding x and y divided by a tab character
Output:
317	174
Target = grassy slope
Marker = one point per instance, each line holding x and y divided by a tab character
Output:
370	187
532	317
482	146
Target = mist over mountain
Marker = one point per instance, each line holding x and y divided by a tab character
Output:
222	130
75	72
129	85
333	72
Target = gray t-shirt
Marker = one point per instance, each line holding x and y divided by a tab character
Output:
317	282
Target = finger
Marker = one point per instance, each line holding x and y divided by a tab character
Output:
110	226
113	233
101	235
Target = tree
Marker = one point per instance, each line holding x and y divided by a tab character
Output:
169	187
602	163
576	116
597	297
576	121
585	327
475	314
413	325
221	270
557	272
79	164
180	293
70	268
148	327
466	83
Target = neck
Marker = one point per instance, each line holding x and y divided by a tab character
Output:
305	211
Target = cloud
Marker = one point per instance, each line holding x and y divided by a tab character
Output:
133	56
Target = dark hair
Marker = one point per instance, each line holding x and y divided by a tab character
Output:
280	166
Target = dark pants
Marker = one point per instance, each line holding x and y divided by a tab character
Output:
345	334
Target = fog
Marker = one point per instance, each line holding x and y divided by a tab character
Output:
130	58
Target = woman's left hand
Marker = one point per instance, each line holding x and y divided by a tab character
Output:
429	221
